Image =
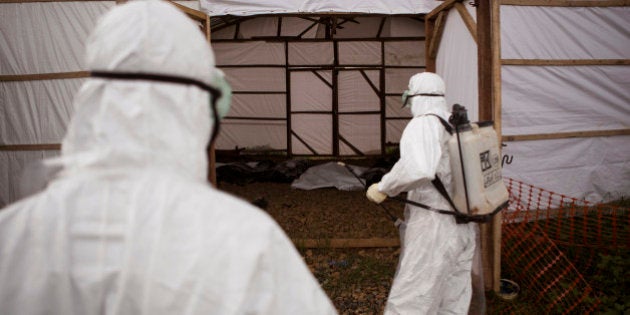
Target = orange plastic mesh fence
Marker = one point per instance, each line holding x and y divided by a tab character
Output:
552	245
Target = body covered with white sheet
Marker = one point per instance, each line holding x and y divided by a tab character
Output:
434	270
130	225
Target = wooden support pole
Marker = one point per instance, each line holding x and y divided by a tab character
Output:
486	82
495	13
436	37
429	62
468	20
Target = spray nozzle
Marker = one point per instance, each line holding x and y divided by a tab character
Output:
459	115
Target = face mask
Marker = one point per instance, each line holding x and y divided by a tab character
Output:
215	94
223	103
406	96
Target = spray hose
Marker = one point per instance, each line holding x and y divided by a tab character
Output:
459	217
397	221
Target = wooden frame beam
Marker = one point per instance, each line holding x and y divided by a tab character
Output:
445	6
45	76
30	147
565	62
566	135
568	3
468	20
436	36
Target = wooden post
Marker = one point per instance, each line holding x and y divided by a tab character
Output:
489	88
496	113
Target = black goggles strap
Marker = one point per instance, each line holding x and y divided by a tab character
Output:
216	94
419	94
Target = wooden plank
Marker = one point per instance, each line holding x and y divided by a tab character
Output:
45	76
429	26
30	147
565	62
495	14
347	243
567	3
436	37
468	20
192	13
484	60
445	6
567	135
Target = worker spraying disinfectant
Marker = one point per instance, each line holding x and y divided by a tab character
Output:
128	224
438	246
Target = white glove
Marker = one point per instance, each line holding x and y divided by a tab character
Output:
374	195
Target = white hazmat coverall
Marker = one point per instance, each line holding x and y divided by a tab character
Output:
434	269
129	225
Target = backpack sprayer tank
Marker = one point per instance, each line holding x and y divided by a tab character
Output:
475	166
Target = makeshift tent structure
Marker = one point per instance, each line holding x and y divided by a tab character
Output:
554	77
325	78
318	85
329	84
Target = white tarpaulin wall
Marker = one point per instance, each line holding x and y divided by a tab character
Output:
39	38
48	38
561	99
555	99
292	95
253	7
457	63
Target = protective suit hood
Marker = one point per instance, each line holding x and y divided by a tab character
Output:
428	83
122	123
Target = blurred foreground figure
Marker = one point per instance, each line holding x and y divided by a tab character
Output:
434	270
129	225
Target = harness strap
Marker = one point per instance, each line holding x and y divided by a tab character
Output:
445	123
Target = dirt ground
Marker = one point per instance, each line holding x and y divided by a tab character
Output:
356	280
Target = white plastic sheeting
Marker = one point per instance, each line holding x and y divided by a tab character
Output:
39	38
549	99
330	174
591	168
457	63
309	88
535	99
225	7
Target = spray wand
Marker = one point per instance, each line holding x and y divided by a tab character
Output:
397	221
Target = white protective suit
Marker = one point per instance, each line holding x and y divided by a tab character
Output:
130	225
434	270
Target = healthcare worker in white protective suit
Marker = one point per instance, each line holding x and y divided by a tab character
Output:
434	270
129	225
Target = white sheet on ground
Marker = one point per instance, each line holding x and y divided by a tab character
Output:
330	174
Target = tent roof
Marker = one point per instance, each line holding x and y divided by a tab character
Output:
255	7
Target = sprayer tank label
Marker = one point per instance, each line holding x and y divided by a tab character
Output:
485	160
490	168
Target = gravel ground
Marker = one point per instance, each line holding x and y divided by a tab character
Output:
356	280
